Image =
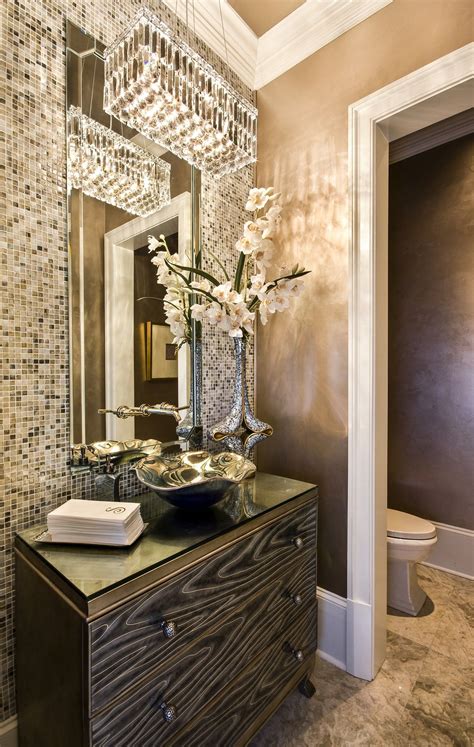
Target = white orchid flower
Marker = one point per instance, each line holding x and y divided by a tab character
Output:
173	295
293	287
237	326
238	311
258	286
153	244
245	245
213	312
264	311
224	293
203	285
198	311
235	297
221	292
174	315
179	334
241	316
218	316
229	309
265	227
278	301
253	232
224	322
263	254
165	276
177	326
248	323
159	258
273	214
258	198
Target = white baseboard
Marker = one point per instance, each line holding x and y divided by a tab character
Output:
454	551
9	733
332	628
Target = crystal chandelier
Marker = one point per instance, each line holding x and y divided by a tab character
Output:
112	169
158	85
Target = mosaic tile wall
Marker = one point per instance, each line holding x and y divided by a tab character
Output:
222	217
34	361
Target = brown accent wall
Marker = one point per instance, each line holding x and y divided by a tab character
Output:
431	334
303	135
158	390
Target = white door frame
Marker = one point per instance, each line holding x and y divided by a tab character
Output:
402	107
119	247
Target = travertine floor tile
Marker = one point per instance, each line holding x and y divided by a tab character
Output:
454	636
421	697
442	699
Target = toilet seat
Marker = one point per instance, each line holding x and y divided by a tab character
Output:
408	527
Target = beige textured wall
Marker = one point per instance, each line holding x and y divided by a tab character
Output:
302	355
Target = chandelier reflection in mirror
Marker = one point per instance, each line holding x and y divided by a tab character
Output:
158	85
107	166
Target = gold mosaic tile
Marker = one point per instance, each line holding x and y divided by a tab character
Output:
34	396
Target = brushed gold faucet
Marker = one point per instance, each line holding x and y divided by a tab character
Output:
123	411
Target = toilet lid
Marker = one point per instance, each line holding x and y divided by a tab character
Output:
406	526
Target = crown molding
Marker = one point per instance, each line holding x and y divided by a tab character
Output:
310	27
259	60
204	18
432	136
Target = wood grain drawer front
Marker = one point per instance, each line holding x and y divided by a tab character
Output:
205	669
227	719
129	643
200	674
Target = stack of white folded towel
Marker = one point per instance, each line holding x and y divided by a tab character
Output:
95	522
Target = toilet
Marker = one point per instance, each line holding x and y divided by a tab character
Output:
409	541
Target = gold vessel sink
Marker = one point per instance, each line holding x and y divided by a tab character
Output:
193	479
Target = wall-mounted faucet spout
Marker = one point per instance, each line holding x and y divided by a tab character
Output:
123	411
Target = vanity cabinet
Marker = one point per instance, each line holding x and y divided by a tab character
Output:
193	636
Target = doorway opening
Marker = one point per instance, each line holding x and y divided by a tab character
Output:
442	89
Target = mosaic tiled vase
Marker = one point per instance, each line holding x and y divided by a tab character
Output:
241	414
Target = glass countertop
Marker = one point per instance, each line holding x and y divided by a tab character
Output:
93	570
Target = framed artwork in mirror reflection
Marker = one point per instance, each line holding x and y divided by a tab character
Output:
161	353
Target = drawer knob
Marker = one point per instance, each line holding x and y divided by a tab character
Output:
298	543
169	628
296	652
169	712
296	599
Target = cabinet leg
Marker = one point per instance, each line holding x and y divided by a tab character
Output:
306	687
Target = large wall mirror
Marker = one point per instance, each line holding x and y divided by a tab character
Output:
122	352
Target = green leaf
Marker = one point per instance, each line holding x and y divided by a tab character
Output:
239	271
173	305
195	271
171	267
254	303
219	263
297	274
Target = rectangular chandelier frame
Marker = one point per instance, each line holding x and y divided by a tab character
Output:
157	84
107	166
